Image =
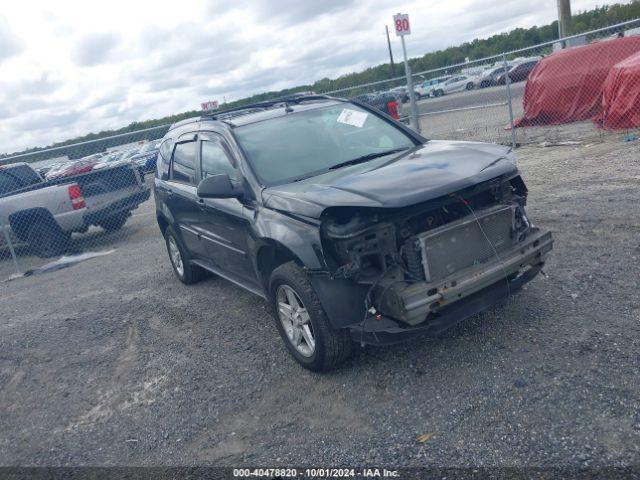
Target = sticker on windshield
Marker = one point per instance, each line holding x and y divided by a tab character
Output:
352	117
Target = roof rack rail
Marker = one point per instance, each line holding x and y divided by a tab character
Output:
258	106
224	115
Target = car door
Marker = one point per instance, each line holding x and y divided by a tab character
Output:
452	85
224	222
181	197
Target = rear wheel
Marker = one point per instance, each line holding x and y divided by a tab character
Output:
115	222
470	86
47	240
186	272
302	322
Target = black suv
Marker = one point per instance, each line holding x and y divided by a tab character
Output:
351	225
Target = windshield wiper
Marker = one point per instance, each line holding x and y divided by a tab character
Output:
367	157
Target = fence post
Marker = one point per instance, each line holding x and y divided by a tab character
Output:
507	82
412	99
10	245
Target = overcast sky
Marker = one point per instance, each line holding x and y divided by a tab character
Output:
70	68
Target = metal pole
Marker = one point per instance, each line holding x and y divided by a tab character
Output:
11	250
393	67
507	82
564	18
414	107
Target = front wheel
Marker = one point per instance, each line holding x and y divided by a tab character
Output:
439	93
470	86
303	323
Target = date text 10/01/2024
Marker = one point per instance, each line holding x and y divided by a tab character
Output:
316	472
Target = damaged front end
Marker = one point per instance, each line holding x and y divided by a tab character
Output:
421	263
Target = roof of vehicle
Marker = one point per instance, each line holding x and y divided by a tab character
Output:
12	165
262	111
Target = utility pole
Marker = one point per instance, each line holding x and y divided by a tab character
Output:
393	67
564	18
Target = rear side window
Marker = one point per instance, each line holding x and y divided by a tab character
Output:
164	158
183	166
16	178
8	183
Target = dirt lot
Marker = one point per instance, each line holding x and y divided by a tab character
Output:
114	362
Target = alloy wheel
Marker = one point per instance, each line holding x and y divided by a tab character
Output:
176	257
295	321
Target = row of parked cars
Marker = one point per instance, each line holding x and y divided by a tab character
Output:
144	157
516	70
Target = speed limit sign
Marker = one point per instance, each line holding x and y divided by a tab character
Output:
401	23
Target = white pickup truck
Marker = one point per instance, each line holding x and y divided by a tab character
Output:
43	214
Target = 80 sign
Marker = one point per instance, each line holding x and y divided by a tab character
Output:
401	24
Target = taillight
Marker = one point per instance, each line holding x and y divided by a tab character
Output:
392	107
75	194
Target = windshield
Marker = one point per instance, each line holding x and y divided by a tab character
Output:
309	143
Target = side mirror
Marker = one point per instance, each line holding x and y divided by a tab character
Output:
218	186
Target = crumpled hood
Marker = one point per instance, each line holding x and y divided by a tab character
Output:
435	169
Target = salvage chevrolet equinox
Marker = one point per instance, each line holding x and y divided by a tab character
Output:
351	225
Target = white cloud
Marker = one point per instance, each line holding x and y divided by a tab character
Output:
84	67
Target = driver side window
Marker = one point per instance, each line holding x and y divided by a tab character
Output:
215	160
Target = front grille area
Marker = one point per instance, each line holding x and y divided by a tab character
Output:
462	244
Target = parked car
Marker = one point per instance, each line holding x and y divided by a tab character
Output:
519	72
489	77
427	88
384	101
75	167
351	225
42	214
147	156
402	94
457	83
110	159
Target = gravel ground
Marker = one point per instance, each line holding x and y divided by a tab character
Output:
114	362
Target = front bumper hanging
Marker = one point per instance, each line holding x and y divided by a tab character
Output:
412	309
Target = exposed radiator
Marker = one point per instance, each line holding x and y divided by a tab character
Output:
461	244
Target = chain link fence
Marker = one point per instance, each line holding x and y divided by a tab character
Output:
483	99
57	204
92	197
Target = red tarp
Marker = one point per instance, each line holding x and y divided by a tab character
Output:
621	95
567	85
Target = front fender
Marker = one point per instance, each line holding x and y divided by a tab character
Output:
342	300
301	237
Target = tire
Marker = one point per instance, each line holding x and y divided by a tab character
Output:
46	240
116	222
439	93
470	86
331	346
186	272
